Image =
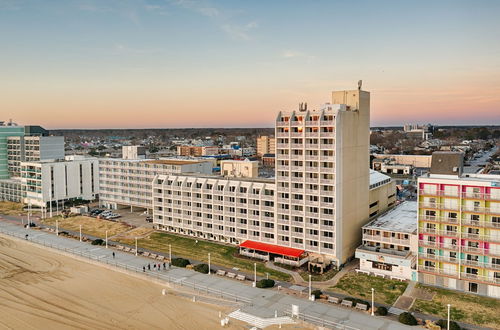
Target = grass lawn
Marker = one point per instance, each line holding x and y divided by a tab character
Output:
11	208
90	226
466	308
359	285
328	275
220	254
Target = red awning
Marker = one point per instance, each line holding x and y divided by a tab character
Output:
276	249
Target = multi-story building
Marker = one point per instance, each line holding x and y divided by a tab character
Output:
382	193
48	184
11	190
7	130
32	149
390	243
239	168
317	203
133	152
128	182
197	151
266	145
459	228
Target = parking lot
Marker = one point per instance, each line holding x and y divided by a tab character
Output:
135	218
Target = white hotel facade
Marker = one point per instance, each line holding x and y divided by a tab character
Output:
317	202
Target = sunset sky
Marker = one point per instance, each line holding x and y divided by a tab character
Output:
187	63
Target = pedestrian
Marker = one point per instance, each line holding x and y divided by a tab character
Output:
26	237
159	267
149	267
164	266
113	254
154	266
143	268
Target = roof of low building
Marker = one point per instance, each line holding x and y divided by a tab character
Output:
402	218
377	177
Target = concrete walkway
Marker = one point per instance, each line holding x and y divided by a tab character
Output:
262	303
405	301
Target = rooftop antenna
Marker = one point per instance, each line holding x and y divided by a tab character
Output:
360	82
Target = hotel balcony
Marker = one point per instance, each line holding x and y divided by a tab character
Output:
481	278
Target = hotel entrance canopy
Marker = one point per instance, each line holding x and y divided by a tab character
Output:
274	249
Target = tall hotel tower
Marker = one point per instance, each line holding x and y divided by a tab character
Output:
317	203
322	168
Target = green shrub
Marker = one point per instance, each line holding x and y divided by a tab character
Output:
97	242
381	311
316	294
201	268
444	323
265	283
180	262
407	318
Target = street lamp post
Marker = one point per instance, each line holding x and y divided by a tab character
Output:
57	226
254	274
136	246
80	233
170	252
209	264
373	306
310	289
448	321
107	239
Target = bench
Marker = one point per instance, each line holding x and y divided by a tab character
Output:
362	307
346	303
127	249
241	277
231	275
221	272
146	254
334	300
160	258
119	247
152	255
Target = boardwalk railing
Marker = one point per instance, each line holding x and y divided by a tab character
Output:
201	289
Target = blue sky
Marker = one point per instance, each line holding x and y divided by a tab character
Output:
237	63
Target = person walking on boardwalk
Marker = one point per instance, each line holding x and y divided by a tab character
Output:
149	267
113	254
144	268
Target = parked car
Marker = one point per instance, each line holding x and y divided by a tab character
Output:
149	219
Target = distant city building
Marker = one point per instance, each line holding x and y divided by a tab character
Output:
382	193
269	160
388	166
419	161
266	145
133	152
459	227
239	168
390	243
197	151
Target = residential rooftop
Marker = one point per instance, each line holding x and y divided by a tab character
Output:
378	179
402	218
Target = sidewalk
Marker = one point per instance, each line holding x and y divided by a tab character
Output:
259	302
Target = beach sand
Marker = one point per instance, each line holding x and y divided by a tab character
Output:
40	289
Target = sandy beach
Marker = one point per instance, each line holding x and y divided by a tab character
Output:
40	289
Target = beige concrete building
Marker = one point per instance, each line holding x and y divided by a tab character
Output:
133	152
239	168
421	161
266	145
317	202
382	193
197	151
129	182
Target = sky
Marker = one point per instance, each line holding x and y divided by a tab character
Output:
190	63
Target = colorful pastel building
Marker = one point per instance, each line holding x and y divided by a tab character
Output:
459	228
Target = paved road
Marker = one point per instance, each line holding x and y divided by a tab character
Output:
259	302
477	164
